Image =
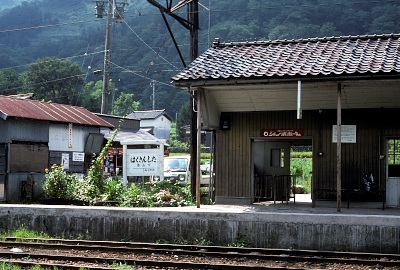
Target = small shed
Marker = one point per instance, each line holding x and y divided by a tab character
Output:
156	122
339	96
34	135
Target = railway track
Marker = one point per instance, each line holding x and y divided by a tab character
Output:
104	254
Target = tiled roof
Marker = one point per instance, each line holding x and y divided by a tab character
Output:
34	109
335	56
145	115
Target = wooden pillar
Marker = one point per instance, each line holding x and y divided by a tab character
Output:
198	171
339	148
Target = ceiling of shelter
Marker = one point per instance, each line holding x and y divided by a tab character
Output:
314	96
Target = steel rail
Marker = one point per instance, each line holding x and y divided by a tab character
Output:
217	251
113	261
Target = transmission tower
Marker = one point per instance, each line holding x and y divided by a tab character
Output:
115	13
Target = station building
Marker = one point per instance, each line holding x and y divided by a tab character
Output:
339	96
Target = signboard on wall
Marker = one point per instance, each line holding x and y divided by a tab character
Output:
282	132
65	161
144	162
78	156
349	134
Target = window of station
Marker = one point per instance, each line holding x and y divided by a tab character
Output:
393	157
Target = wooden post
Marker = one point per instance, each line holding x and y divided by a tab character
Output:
198	172
339	148
194	20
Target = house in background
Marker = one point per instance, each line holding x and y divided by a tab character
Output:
34	135
156	122
264	98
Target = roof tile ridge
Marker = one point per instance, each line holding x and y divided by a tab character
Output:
218	43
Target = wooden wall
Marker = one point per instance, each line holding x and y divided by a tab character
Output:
233	146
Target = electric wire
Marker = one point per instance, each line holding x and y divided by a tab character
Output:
142	76
64	58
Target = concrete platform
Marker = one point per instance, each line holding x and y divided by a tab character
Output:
268	225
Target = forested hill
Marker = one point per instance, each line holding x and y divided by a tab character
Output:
142	49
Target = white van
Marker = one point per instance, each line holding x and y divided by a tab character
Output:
177	168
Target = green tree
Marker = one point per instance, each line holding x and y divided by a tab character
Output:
183	121
53	79
125	104
10	82
90	96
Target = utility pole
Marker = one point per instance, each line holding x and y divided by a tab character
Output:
153	85
115	12
194	125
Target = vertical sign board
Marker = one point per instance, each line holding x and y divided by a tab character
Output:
349	134
70	135
144	162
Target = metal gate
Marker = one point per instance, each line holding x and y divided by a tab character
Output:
274	187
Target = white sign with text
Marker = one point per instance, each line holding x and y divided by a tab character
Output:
144	162
349	134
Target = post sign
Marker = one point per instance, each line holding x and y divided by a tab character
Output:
282	132
349	133
144	162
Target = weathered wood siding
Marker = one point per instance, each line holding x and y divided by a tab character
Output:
233	147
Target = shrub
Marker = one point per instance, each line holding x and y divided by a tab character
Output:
58	183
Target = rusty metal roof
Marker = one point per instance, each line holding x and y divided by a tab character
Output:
34	109
316	57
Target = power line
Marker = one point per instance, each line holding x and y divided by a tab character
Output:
45	26
41	83
65	58
142	76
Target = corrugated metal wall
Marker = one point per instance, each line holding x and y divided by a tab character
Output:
233	147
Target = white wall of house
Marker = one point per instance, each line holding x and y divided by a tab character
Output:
64	137
161	125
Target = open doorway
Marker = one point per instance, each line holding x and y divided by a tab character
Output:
282	169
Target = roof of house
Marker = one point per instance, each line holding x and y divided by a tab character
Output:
147	115
125	134
34	109
313	57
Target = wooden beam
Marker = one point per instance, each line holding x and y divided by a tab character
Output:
198	171
339	148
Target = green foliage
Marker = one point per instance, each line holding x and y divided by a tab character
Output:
10	82
53	79
125	104
302	169
58	183
23	232
182	121
176	146
90	97
240	241
113	190
4	265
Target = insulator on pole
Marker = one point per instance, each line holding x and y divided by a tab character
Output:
100	9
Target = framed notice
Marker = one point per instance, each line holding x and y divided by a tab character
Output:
78	156
349	134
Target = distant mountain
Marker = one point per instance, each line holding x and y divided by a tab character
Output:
142	49
9	3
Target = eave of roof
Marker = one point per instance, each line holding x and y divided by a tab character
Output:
318	58
34	109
